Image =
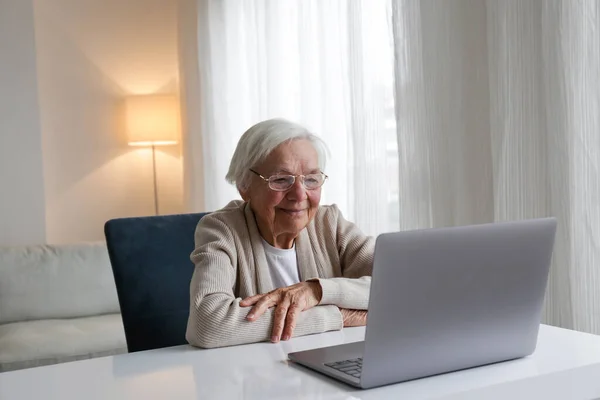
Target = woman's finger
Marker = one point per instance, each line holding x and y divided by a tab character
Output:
290	321
279	320
354	317
263	304
248	301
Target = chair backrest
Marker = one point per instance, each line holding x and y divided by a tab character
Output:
150	258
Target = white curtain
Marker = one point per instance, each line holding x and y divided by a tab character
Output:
498	113
327	64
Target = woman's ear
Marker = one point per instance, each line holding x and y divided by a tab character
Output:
244	193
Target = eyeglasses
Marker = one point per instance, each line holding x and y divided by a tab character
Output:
281	183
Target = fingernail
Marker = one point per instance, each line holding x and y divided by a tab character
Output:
250	316
274	339
285	337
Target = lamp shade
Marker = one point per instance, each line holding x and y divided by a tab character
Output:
152	120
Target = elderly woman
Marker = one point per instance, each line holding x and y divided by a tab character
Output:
277	265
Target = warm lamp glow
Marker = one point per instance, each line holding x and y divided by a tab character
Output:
152	120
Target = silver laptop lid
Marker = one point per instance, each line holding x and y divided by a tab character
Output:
453	298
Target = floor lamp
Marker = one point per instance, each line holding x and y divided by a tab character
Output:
151	121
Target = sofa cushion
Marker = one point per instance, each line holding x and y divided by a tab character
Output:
62	281
44	342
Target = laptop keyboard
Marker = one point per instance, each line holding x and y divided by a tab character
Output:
351	367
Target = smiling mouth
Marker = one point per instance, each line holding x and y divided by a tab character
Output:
292	212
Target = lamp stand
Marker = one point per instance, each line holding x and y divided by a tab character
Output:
155	183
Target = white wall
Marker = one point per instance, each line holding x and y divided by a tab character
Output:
90	55
22	217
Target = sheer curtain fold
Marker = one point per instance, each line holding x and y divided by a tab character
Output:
327	64
442	107
498	109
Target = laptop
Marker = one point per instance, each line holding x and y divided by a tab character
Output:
446	299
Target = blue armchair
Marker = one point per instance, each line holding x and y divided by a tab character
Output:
150	258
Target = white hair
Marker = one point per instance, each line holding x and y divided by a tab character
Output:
260	140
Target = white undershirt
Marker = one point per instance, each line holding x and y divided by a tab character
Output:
283	265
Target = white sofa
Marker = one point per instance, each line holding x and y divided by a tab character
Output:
57	304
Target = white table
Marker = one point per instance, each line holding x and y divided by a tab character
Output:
566	365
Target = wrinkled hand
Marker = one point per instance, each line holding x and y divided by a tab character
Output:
354	317
289	302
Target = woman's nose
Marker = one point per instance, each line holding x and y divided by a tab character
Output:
297	192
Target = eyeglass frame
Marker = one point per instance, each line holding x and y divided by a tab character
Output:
268	180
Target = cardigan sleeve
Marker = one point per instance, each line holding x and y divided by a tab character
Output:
216	318
356	258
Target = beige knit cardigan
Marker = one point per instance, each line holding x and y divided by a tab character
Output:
230	265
